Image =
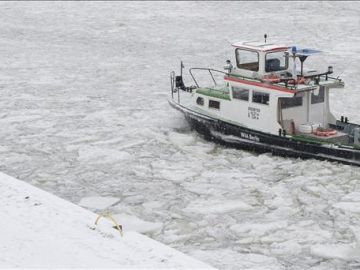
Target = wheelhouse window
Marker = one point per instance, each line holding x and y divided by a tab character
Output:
240	93
318	97
291	102
276	61
260	97
200	101
246	59
214	104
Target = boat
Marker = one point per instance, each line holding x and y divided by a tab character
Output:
268	101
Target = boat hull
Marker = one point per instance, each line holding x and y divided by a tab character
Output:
239	137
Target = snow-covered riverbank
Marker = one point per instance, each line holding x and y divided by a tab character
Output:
40	230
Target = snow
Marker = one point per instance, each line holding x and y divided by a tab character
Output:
39	230
84	112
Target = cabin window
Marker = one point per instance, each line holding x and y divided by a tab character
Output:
214	104
240	93
260	97
291	102
246	59
318	97
200	101
276	61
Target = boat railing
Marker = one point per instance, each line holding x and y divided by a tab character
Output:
172	83
317	79
336	80
177	83
210	71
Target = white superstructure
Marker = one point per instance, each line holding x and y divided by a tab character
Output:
268	90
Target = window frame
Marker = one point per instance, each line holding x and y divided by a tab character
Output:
240	88
248	50
200	103
314	99
265	93
286	62
214	101
292	106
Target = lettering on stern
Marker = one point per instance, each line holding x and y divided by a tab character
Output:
249	136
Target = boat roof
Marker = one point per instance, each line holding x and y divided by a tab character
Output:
271	47
261	46
306	51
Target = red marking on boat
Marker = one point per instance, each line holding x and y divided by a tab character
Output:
277	49
272	78
259	84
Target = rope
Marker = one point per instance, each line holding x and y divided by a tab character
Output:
109	216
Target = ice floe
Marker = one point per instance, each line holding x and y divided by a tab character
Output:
98	203
133	223
216	207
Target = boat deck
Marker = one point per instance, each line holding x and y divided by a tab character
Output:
338	138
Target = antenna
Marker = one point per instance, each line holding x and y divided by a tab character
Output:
265	36
181	68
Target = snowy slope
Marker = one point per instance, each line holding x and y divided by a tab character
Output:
84	114
39	230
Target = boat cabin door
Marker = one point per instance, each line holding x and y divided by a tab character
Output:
318	106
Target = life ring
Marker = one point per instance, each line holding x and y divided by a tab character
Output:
325	132
272	78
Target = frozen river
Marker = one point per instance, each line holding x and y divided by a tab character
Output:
83	112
